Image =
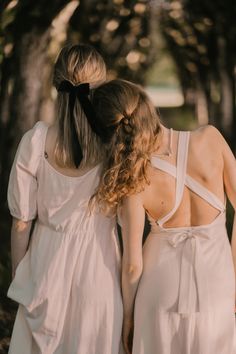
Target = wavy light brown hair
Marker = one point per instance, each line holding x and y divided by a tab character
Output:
77	64
133	124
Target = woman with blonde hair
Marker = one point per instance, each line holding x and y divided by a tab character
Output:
66	276
179	288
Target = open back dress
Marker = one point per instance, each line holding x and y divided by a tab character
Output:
186	296
68	283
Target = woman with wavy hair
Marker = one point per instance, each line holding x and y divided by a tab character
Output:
66	276
179	288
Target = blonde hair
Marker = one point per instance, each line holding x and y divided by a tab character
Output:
133	124
77	64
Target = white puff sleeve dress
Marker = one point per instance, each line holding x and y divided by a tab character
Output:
68	283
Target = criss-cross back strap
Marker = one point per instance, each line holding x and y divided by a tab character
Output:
182	157
204	193
191	183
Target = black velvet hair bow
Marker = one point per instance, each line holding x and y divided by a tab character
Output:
81	92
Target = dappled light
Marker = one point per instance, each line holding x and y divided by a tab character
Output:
182	52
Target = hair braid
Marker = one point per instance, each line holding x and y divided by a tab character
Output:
126	107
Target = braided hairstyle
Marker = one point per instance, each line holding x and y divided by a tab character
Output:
133	126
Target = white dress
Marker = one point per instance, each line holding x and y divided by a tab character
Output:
185	299
68	283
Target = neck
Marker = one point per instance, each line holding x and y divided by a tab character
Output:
165	141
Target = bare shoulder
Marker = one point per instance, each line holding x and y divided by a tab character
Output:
208	135
51	137
206	130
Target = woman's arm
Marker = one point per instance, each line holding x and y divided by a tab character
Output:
133	220
230	188
20	232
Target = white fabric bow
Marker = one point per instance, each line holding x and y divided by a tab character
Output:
193	292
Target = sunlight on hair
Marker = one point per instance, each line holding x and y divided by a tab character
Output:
135	135
77	64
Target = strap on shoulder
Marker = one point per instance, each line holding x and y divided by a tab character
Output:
182	157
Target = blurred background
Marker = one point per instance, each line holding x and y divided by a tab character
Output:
182	51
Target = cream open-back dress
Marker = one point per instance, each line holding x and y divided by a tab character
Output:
68	283
185	300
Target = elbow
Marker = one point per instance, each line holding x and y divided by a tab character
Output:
132	272
20	226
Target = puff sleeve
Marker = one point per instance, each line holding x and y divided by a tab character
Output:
22	187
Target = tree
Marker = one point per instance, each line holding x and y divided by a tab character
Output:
201	38
24	55
120	30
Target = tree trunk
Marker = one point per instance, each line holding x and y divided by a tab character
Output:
227	99
21	109
201	104
22	84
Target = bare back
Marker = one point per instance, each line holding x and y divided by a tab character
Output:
204	165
